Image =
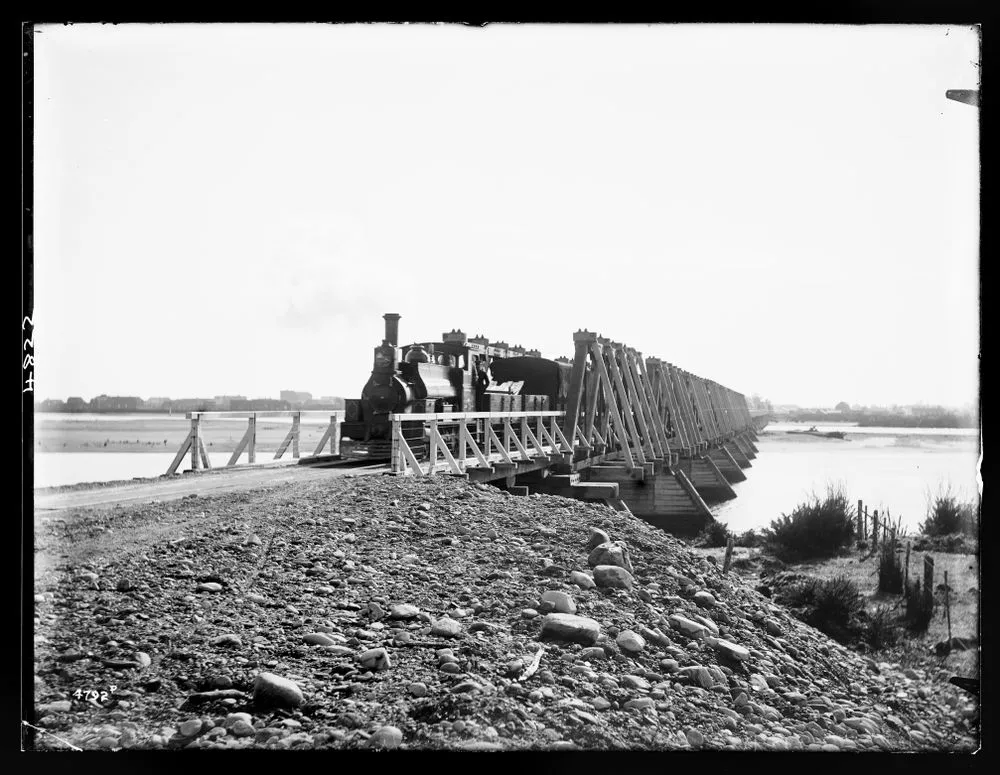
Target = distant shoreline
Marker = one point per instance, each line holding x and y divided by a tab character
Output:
946	420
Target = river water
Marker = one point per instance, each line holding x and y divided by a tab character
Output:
888	468
74	448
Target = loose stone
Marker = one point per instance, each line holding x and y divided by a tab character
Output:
613	577
630	641
59	706
597	537
731	650
375	659
190	728
446	627
319	639
560	601
271	689
698	675
610	554
580	629
403	611
686	626
635	682
386	737
582	580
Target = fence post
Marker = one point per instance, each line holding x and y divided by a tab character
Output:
874	530
947	605
906	570
866	522
928	580
251	447
729	555
396	464
195	442
296	428
860	530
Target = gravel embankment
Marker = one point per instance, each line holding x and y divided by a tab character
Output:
395	613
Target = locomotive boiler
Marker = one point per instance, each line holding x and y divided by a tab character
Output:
456	374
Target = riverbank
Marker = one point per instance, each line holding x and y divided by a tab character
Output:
912	650
386	612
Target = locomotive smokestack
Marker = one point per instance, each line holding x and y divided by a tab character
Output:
391	328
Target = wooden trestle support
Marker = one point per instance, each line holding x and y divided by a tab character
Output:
672	441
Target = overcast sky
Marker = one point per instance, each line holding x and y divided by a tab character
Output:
229	209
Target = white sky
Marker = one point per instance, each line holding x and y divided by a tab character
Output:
791	210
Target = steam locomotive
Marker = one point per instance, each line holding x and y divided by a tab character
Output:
457	374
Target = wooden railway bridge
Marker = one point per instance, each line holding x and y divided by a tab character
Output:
640	434
637	433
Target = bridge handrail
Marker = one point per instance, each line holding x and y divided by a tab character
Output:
247	413
461	416
195	444
529	443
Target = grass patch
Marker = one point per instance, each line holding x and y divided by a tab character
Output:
881	630
919	607
832	606
815	529
890	566
890	570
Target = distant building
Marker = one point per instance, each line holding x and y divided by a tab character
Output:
76	404
191	405
259	405
156	402
52	405
105	403
325	402
224	403
294	397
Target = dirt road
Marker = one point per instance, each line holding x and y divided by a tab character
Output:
202	483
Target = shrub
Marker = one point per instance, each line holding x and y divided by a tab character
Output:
953	544
890	570
830	605
714	534
880	630
749	540
817	528
948	514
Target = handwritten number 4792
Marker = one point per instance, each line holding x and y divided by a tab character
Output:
92	695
